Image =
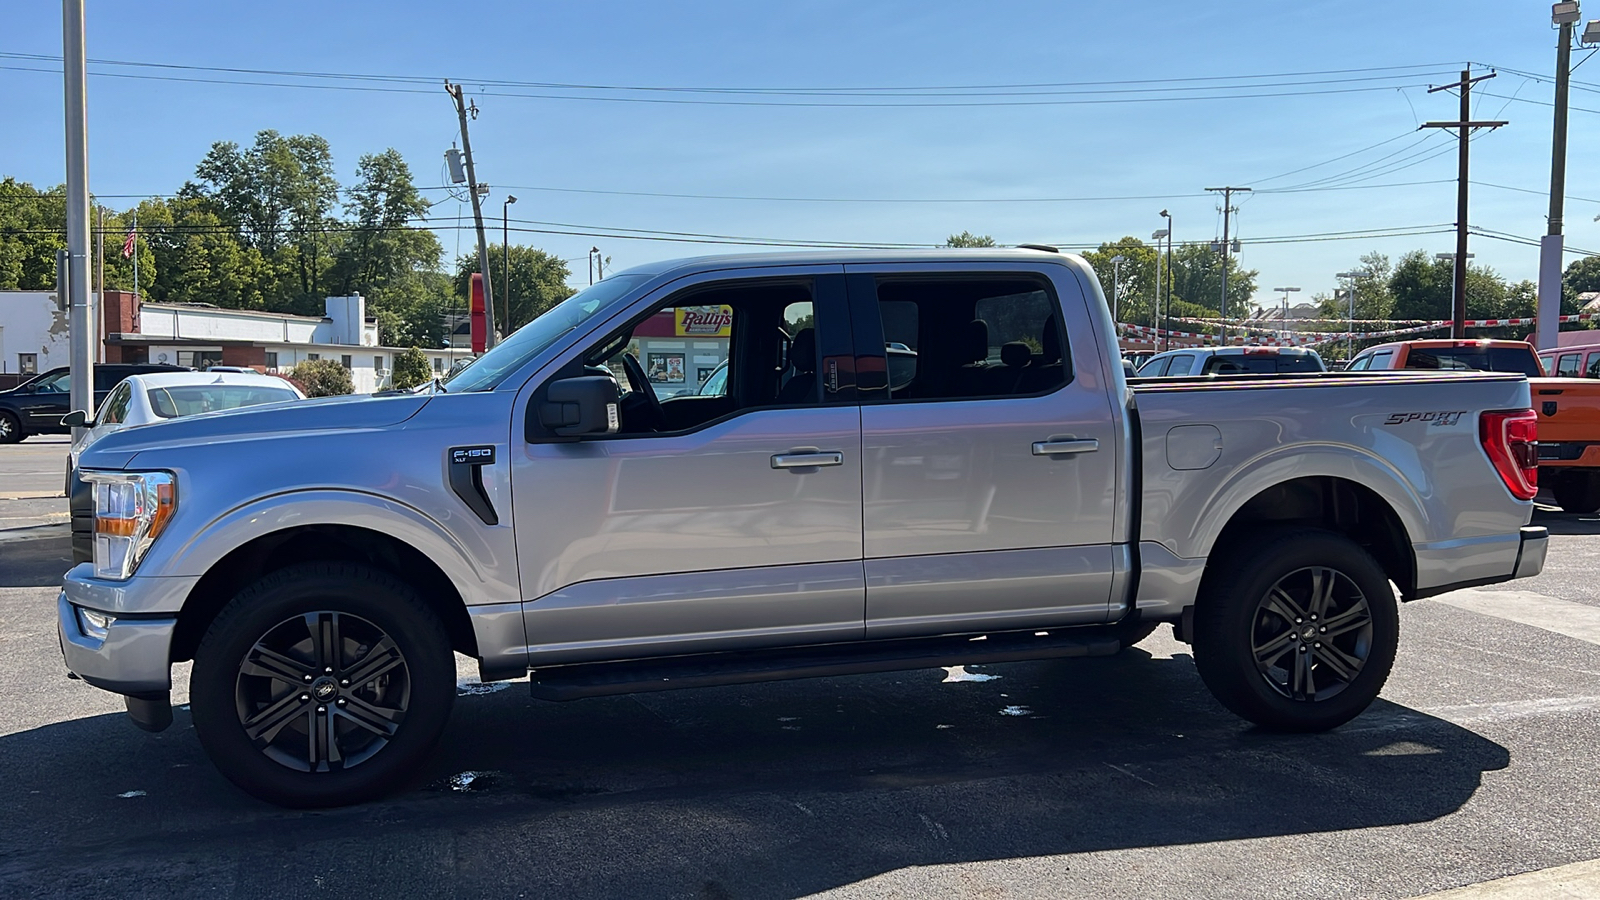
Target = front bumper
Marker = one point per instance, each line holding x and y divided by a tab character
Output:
132	658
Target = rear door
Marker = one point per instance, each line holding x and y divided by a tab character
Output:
990	478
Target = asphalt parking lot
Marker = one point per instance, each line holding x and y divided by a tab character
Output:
1115	778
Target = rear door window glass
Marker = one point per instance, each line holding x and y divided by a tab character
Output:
960	337
1592	370
1567	365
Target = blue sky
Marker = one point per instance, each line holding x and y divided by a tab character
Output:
145	136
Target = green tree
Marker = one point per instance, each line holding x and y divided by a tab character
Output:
322	378
387	259
538	282
410	369
968	239
1581	277
1138	277
1197	281
280	194
32	228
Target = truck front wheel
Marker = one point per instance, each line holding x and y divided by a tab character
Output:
322	684
1296	632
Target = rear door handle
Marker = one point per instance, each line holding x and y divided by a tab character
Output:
1065	447
809	459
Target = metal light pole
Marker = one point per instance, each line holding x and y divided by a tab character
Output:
1155	302
81	351
1116	285
1563	15
1350	324
1166	342
1283	332
505	257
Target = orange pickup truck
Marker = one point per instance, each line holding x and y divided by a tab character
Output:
1568	408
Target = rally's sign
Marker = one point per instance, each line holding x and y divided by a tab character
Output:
703	321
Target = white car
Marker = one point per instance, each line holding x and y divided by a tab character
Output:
157	397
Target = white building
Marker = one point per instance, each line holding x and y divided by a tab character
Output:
33	337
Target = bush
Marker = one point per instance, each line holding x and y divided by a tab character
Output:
410	369
323	378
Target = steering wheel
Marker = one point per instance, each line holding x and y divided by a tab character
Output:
639	384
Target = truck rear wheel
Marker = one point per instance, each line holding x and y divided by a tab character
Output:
322	684
1576	492
1296	632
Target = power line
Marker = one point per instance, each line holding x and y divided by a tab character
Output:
1255	92
1411	71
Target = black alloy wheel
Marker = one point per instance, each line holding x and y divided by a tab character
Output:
322	691
1312	634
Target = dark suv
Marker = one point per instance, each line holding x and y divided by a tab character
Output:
36	406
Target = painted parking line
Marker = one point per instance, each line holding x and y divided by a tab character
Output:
1578	881
1575	620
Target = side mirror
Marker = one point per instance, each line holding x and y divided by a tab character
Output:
75	419
586	404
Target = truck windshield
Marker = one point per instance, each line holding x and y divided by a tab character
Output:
487	371
1482	359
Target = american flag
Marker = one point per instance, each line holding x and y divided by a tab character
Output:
127	245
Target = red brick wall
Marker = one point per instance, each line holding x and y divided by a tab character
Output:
254	357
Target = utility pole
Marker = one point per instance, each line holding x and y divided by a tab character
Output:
100	265
454	90
1563	15
1465	126
81	352
1227	210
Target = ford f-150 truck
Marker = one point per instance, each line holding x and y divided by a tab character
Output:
1006	496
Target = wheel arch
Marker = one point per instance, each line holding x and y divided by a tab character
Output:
1339	505
323	542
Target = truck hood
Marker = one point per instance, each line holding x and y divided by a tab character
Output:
359	412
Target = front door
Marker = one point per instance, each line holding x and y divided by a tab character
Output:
710	521
991	466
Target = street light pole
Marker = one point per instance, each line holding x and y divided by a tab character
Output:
80	324
1283	332
1166	342
1350	324
505	257
1116	285
1155	302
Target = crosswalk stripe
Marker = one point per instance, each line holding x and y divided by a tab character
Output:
1575	620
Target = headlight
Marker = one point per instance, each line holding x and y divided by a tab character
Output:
130	511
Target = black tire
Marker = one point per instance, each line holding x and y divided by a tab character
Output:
1295	675
10	428
1576	492
268	645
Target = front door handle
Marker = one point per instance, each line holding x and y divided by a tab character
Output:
1065	446
808	459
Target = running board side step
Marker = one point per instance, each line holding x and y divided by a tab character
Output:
578	680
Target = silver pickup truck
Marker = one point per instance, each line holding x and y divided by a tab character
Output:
915	459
